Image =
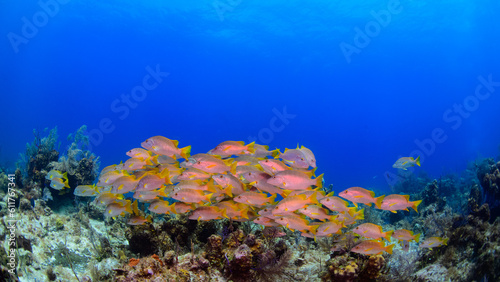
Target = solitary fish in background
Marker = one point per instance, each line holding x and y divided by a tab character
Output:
372	247
406	162
434	242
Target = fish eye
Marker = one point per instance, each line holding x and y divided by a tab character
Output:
301	159
221	176
199	162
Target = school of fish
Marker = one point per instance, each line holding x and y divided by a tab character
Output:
243	182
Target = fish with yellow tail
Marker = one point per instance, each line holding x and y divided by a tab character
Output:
406	162
359	195
208	213
396	202
434	242
405	235
229	148
163	146
372	247
294	180
372	231
139	220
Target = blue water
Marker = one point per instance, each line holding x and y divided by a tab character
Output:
234	67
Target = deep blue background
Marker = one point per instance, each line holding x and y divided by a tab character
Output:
229	71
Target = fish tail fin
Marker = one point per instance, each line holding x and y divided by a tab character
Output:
65	175
361	214
232	170
128	207
388	235
417	160
445	241
352	211
224	213
185	152
388	249
149	218
415	204
319	181
417	237
275	153
244	213
314	230
272	198
285	193
314	198
228	191
378	201
65	181
135	207
250	147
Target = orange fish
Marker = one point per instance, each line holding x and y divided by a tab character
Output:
234	210
208	213
272	166
351	216
315	212
124	184
265	221
291	204
359	195
294	180
161	207
373	231
212	164
254	199
150	195
193	174
226	180
163	146
405	235
116	208
328	228
294	222
434	242
372	247
139	220
191	196
395	202
107	198
109	177
335	204
229	148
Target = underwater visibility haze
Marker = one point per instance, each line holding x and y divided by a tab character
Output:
368	143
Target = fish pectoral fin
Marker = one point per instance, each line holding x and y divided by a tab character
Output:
394	211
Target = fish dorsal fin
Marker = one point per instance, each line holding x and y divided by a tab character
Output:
372	193
407	197
176	143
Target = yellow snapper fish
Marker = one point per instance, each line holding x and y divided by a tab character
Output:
266	221
351	216
254	199
293	203
85	191
406	162
107	198
229	148
334	203
56	174
208	213
212	164
112	168
191	196
309	156
315	212
273	166
226	180
150	195
262	151
294	180
395	202
372	231
434	242
359	195
294	158
372	247
233	209
193	174
59	183
117	208
109	177
139	220
328	228
154	181
161	207
294	222
163	146
405	235
140	154
247	160
124	184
